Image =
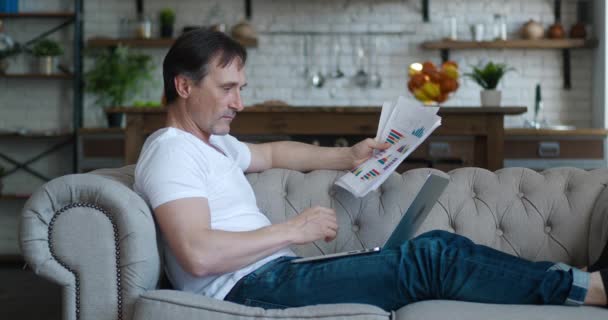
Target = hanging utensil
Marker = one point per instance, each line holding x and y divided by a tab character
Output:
337	73
316	79
375	80
361	78
305	53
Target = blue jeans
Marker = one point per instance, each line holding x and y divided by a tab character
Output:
435	265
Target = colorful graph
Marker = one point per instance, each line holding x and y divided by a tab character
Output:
383	160
418	132
394	136
403	149
370	175
357	171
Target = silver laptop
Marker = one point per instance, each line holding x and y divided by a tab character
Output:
414	216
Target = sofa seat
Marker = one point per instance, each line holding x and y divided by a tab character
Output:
171	304
457	310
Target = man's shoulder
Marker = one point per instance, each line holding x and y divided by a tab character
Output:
168	140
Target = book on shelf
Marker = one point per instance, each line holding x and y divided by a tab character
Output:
405	127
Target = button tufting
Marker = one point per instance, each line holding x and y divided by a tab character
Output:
520	194
548	229
284	194
332	193
355	227
473	194
499	232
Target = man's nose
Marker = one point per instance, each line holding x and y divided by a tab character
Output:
237	103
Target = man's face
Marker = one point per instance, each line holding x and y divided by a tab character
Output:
214	102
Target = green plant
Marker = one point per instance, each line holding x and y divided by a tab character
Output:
167	16
7	53
117	75
489	76
47	48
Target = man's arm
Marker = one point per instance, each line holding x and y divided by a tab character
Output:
306	157
201	251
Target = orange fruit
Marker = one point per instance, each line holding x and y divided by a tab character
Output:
448	85
428	67
442	97
435	76
418	80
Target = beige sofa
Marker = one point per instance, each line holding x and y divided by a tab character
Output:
94	236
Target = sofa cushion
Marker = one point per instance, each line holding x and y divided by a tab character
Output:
455	310
171	304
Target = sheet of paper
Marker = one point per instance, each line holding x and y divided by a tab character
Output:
405	129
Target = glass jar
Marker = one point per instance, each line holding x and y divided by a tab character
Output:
143	28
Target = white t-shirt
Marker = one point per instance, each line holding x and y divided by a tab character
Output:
175	164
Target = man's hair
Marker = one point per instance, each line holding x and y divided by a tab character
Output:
192	53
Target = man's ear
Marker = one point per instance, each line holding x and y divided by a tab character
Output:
182	86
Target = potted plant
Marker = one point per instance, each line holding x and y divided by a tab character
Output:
117	75
488	77
46	51
5	54
167	19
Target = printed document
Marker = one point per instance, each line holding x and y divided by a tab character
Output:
405	127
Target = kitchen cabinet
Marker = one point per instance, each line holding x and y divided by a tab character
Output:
484	125
542	148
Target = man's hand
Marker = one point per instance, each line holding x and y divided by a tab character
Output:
363	150
313	224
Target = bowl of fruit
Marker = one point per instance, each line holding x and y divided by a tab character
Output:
433	85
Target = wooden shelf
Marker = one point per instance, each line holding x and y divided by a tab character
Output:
35	134
511	44
552	132
82	131
15	196
37	75
37	15
99	42
564	44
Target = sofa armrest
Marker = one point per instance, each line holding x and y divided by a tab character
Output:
95	237
598	228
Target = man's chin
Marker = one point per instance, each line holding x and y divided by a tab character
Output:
221	131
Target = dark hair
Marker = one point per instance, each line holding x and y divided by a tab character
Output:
191	54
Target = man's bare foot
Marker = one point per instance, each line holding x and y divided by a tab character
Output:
596	295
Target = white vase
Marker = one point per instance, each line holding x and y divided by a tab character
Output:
46	65
490	98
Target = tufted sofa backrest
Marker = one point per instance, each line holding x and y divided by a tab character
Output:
558	215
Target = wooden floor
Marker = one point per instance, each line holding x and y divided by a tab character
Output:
25	296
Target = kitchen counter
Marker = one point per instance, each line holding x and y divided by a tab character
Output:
550	132
485	124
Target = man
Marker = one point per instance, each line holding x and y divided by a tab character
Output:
218	243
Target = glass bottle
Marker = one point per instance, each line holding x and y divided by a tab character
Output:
143	29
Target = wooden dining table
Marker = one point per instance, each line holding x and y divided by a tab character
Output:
484	124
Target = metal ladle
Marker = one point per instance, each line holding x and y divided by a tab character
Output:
361	78
337	73
317	79
375	80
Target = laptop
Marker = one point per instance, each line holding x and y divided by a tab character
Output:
414	216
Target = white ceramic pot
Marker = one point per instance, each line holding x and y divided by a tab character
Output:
46	65
490	98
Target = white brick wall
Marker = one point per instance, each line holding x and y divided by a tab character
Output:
275	68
